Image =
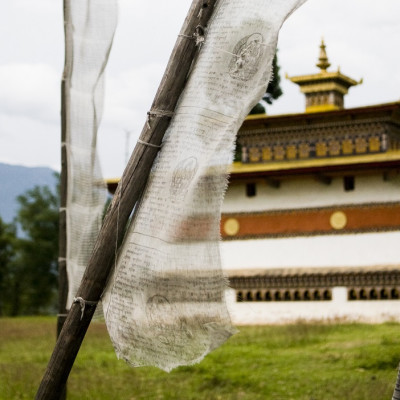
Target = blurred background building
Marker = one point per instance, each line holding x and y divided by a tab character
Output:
311	218
310	221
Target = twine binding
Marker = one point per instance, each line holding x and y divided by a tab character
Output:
83	303
198	36
157	113
149	144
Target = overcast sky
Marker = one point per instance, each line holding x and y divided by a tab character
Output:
362	37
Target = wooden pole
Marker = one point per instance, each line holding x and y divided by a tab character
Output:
396	392
62	238
128	192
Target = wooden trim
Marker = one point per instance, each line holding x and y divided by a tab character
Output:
354	164
317	221
374	111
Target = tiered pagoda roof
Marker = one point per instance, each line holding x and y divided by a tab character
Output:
326	138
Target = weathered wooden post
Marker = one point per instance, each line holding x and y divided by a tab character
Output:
62	241
62	234
396	392
128	192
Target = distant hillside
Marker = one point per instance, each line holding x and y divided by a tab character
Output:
15	180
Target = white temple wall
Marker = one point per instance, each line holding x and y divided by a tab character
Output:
348	250
308	192
353	250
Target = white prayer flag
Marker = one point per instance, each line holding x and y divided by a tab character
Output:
165	302
90	27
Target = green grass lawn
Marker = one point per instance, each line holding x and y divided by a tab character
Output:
301	361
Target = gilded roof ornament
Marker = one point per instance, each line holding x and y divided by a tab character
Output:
324	91
323	62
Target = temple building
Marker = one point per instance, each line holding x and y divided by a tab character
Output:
311	217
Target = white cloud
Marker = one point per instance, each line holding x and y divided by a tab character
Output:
128	97
130	93
28	141
29	115
31	31
30	90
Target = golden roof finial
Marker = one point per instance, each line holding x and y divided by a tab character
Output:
324	90
323	63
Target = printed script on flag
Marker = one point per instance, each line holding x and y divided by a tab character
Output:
165	301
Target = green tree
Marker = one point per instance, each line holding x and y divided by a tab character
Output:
7	255
34	273
274	90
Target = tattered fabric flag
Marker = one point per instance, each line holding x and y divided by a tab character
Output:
90	27
165	302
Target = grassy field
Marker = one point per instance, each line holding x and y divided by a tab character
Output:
302	362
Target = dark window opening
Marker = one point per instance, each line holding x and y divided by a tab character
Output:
250	189
348	183
352	295
327	295
317	295
363	294
373	294
384	294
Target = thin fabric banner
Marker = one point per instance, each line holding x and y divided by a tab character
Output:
165	302
90	27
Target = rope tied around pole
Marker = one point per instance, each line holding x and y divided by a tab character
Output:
198	35
83	303
156	146
157	113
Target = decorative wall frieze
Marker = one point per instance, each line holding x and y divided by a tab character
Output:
331	138
369	285
308	280
343	219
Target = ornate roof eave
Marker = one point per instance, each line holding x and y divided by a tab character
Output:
356	163
291	271
324	81
262	119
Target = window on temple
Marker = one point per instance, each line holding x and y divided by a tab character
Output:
348	183
250	189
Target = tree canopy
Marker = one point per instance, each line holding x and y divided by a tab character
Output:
274	90
28	264
7	254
